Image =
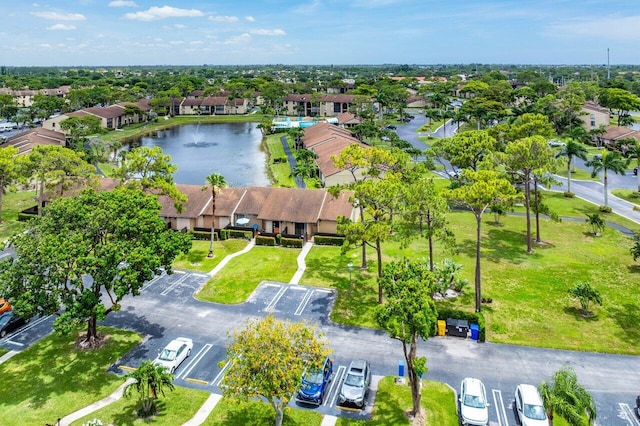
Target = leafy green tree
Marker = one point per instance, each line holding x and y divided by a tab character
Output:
528	125
522	158
570	150
12	170
78	129
409	314
86	253
609	160
57	169
483	110
479	191
45	105
7	106
596	222
635	249
215	182
149	382
267	358
151	170
565	397
586	294
465	150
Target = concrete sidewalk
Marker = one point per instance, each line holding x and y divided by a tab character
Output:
205	410
6	356
301	263
116	395
227	258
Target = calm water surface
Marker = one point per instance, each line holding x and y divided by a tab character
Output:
231	149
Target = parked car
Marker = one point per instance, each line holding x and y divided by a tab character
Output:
174	353
474	409
553	143
597	157
635	171
10	321
390	127
405	119
454	173
528	406
315	383
356	384
5	306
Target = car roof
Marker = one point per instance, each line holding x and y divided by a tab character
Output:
530	394
473	386
175	344
358	365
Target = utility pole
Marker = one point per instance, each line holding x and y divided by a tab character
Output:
608	66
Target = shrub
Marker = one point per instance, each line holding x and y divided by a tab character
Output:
568	194
291	242
224	234
472	317
234	233
605	209
204	236
24	217
278	239
265	241
323	240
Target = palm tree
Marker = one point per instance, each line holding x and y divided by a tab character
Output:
150	380
609	160
216	182
567	398
570	150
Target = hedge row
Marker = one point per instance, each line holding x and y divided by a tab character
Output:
291	242
323	240
473	318
261	240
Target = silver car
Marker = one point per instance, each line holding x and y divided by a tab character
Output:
356	384
529	406
174	353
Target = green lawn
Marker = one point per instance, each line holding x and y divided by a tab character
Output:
231	412
530	301
12	204
393	400
52	378
197	260
176	408
237	280
629	195
278	166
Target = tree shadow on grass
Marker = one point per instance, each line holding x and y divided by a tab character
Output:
627	317
577	314
633	269
506	245
128	415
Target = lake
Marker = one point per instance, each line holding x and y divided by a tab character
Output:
232	149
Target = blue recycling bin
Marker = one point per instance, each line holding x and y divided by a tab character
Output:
475	331
401	368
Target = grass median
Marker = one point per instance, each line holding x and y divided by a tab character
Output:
197	260
52	378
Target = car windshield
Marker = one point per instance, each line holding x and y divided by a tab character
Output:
353	380
313	377
167	355
474	401
534	412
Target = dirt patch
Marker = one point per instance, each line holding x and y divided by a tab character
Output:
95	343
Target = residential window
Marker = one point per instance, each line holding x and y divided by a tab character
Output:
593	123
336	108
592	116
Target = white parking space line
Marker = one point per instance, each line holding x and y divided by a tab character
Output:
200	275
174	285
14	343
271	285
26	328
304	302
628	414
153	281
276	298
500	410
192	363
335	383
218	379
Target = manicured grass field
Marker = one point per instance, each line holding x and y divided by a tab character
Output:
393	400
529	291
176	408
237	280
279	172
229	412
197	260
52	378
628	195
12	204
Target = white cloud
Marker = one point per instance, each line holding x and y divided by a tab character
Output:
223	18
250	18
179	26
276	32
55	16
61	27
623	28
157	13
122	3
239	39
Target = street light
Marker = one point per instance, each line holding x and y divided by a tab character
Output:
350	266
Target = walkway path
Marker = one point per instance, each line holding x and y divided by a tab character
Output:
205	410
228	257
292	161
116	395
301	263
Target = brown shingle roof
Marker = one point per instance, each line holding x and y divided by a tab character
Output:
292	205
335	207
25	141
112	111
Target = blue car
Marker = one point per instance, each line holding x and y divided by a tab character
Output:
315	384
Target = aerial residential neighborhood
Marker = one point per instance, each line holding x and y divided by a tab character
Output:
377	213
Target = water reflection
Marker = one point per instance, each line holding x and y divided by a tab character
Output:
231	149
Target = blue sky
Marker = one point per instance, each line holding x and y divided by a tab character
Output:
223	32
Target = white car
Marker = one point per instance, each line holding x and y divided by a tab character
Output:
474	409
529	408
174	353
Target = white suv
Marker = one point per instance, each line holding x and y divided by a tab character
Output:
174	353
529	406
474	409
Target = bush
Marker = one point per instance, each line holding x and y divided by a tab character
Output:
265	241
204	236
323	240
224	234
472	317
24	217
605	209
568	194
291	242
278	239
234	233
